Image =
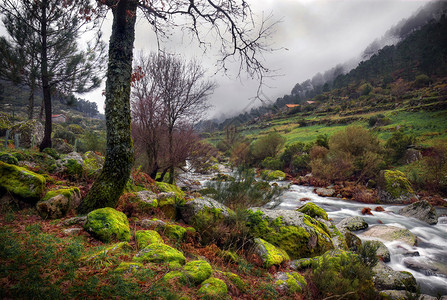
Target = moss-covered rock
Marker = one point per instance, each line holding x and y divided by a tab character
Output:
128	267
313	210
8	158
386	278
175	232
296	233
270	254
21	182
175	275
31	133
198	271
213	288
394	187
353	223
108	224
291	282
421	210
57	203
117	249
236	280
144	238
5	123
92	162
170	188
203	211
160	253
147	200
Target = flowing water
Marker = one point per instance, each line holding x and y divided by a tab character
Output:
432	239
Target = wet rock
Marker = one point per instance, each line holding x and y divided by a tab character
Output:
313	210
382	251
386	278
353	223
421	210
353	242
391	233
399	295
426	266
325	192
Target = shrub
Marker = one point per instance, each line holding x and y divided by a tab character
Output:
267	146
240	155
322	140
272	163
65	134
296	157
421	81
398	143
435	169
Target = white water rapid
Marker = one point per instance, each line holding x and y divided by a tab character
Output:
432	239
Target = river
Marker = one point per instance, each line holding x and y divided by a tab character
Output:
432	239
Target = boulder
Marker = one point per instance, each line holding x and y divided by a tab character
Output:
291	282
273	175
426	266
313	210
147	198
144	238
201	211
169	198
296	233
31	133
8	158
338	238
177	232
152	223
386	278
75	221
421	210
213	288
108	224
61	146
382	251
394	187
353	242
400	295
325	192
391	233
71	164
160	253
128	267
353	223
270	255
57	203
21	182
71	231
198	271
92	162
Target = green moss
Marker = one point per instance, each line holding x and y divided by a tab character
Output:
198	271
175	232
236	280
160	253
294	282
270	254
298	242
74	168
397	184
229	256
313	210
144	238
168	188
207	216
51	152
275	175
8	158
108	224
21	182
175	276
68	193
117	249
213	288
92	162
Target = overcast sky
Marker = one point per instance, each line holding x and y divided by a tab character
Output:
313	36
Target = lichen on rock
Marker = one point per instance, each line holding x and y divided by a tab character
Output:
394	187
108	224
421	210
198	271
203	211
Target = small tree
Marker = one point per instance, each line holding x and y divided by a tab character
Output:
268	146
44	34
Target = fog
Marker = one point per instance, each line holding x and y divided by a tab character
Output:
312	36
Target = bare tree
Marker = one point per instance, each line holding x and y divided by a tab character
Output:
230	20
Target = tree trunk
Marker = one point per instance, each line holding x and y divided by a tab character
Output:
171	158
46	142
31	100
109	186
